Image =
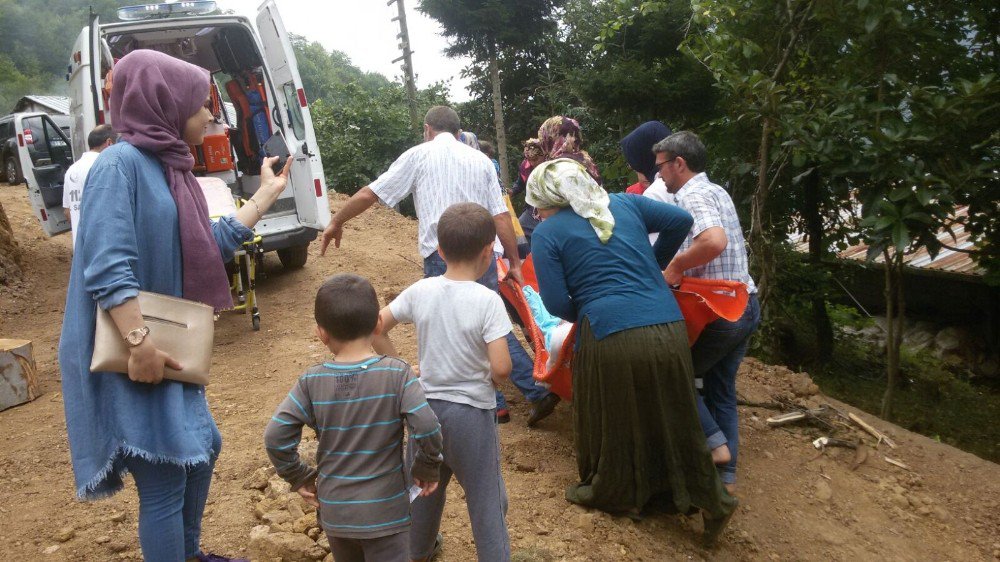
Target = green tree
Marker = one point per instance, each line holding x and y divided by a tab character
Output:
488	31
361	119
888	103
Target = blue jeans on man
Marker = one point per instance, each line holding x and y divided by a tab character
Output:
717	355
522	366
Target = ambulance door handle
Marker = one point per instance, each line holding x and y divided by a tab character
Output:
276	117
305	150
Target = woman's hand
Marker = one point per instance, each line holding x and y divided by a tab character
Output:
271	187
274	183
146	362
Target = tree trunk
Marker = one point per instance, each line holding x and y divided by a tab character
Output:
895	315
10	253
760	243
814	230
498	121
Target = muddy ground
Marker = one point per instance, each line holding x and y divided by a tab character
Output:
794	506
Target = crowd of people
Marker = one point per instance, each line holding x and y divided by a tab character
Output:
655	420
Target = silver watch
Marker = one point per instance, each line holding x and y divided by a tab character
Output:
136	336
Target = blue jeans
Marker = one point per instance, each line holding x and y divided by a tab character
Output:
717	356
522	367
171	503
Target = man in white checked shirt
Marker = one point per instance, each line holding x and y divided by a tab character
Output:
714	249
439	173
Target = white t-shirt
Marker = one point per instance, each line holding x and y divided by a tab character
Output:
440	173
73	182
658	192
455	320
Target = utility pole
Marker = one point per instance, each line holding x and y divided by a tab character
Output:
407	58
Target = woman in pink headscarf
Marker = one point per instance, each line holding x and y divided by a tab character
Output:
145	227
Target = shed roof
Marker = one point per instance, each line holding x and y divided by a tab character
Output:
56	103
947	261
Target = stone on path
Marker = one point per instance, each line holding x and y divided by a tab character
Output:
18	375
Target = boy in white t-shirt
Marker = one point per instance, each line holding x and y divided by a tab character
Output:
461	337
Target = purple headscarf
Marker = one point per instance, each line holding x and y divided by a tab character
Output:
152	97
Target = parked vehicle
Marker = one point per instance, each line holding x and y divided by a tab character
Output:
10	161
256	92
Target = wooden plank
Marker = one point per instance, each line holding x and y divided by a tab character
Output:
882	437
18	375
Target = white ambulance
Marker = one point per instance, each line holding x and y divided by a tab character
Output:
256	92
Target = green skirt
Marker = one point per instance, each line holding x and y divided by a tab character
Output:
637	432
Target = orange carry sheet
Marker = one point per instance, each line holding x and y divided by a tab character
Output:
560	378
701	302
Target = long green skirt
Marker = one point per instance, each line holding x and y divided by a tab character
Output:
637	432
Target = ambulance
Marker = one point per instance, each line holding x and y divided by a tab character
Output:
256	92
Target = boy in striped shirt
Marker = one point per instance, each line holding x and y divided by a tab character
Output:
357	404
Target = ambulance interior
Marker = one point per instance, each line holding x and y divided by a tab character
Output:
245	115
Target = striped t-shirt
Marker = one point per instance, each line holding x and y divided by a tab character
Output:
440	173
357	411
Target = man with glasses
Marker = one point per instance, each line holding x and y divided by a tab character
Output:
714	249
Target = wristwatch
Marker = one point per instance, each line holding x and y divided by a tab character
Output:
136	336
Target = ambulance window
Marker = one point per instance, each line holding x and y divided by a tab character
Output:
295	112
59	151
34	139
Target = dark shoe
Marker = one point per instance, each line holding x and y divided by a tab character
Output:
438	545
543	409
714	527
503	415
202	557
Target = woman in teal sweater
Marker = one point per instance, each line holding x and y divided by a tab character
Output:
638	437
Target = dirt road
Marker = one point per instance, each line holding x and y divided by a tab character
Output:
793	506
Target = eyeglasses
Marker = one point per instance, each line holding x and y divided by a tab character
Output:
660	165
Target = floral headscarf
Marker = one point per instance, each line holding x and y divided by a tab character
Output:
566	183
560	137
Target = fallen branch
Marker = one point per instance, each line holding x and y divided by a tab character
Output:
882	438
894	462
410	260
765	405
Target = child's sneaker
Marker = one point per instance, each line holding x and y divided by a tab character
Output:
202	557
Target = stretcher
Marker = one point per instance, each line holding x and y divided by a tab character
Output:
701	302
243	269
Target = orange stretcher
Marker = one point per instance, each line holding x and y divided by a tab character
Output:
701	302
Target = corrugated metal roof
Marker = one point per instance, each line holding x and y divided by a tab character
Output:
950	261
55	103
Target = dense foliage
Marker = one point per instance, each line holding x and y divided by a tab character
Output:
35	41
361	119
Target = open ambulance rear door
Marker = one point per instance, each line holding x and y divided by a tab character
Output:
294	120
45	155
86	78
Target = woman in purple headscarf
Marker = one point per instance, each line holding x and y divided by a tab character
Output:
145	227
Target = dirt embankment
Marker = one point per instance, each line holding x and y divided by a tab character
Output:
794	505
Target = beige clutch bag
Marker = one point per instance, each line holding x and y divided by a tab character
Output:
183	329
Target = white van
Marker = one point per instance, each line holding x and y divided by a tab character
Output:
256	91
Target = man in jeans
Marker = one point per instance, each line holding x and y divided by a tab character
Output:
441	172
714	249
